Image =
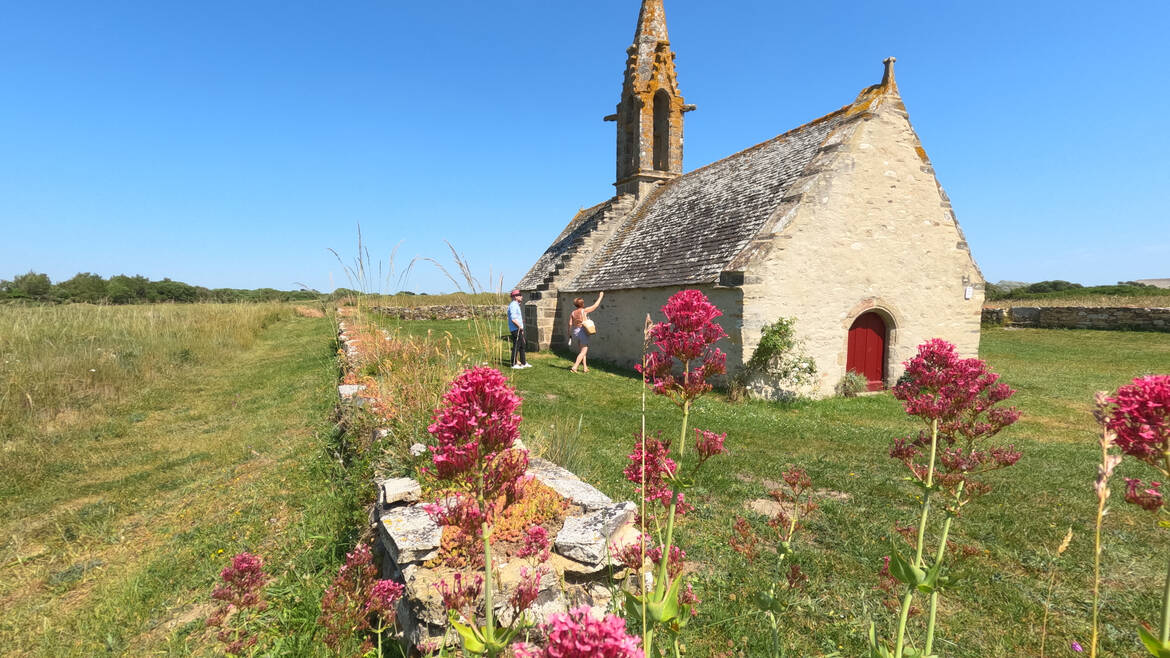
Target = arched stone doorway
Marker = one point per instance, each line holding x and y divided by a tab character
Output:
866	352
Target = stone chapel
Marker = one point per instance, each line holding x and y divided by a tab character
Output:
839	223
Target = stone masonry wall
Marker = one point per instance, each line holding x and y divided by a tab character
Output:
1079	317
622	317
869	229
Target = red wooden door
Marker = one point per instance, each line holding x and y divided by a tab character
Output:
867	349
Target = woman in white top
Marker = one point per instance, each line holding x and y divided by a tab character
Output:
577	329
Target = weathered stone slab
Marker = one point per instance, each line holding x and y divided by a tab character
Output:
569	486
398	490
347	391
411	535
585	538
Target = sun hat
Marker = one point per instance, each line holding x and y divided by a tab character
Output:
514	293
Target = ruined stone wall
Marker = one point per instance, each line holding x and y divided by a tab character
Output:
622	317
1081	317
870	230
441	312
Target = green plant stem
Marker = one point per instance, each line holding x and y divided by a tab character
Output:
904	613
682	439
942	547
1164	635
1101	497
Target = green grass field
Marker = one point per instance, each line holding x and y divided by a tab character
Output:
126	489
1013	531
122	504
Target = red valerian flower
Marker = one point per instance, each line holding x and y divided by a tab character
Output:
654	466
674	564
535	543
527	590
478	420
709	444
578	634
1141	419
685	337
462	597
383	595
242	581
960	395
1148	499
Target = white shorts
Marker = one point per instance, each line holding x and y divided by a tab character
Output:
580	335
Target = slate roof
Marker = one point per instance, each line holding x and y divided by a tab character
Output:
694	225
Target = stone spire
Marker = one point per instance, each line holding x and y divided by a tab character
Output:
649	116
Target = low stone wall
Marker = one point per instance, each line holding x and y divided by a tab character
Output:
1081	317
579	569
440	312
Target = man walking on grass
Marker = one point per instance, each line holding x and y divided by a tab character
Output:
516	332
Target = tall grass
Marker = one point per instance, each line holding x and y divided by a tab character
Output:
60	362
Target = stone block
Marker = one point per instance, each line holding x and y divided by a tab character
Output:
586	538
409	534
398	490
348	391
569	486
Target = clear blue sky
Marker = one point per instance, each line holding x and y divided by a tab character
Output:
231	143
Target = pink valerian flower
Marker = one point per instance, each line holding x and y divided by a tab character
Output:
686	337
744	541
354	597
674	564
655	466
461	595
477	420
632	555
1141	419
1149	499
242	582
578	634
1076	646
709	444
535	543
504	475
960	395
240	591
383	596
527	589
461	511
687	597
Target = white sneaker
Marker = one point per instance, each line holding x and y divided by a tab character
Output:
517	367
527	365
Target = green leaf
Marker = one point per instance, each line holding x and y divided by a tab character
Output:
877	650
634	608
670	604
904	571
1153	644
469	635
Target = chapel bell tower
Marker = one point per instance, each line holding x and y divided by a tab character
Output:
650	115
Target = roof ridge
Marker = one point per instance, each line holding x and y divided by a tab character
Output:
828	117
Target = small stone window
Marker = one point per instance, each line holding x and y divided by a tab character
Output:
661	131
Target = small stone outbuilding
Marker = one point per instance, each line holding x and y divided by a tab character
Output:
839	223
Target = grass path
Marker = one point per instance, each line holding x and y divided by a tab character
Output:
114	545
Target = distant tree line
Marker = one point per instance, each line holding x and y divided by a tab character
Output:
137	289
1066	289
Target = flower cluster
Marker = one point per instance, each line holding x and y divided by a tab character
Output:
240	594
652	464
460	595
535	543
356	597
960	397
686	337
709	444
578	634
1141	419
527	589
674	563
1149	499
242	582
477	421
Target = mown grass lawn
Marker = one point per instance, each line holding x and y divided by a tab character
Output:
117	524
1011	533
